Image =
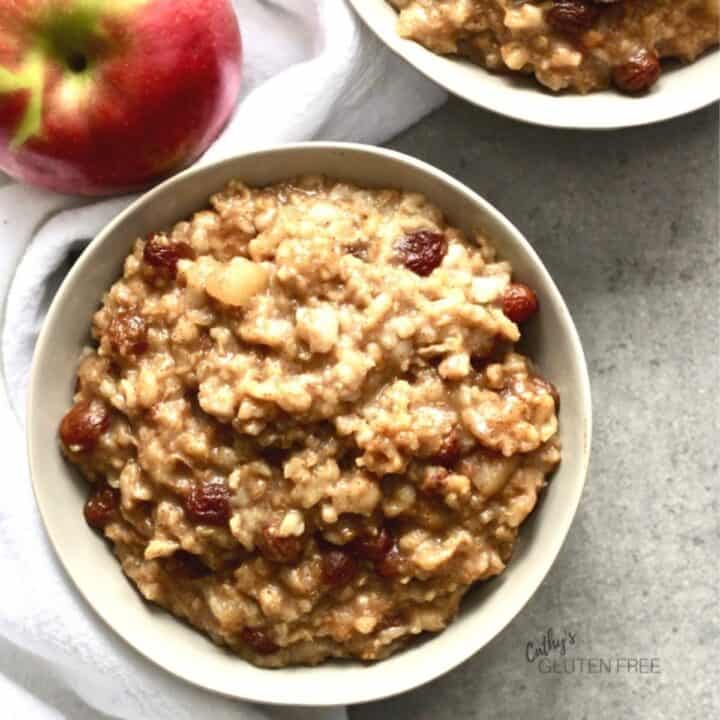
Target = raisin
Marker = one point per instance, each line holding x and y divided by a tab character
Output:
187	565
209	503
449	452
275	456
496	352
128	334
372	547
422	251
163	254
638	74
394	619
391	565
338	567
278	549
83	425
480	363
223	434
572	17
101	506
358	250
258	641
519	302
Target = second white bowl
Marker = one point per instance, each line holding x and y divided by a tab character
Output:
680	91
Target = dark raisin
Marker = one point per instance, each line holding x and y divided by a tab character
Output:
519	302
223	434
187	565
422	251
101	507
83	425
394	619
480	363
572	17
209	503
358	250
338	567
280	549
182	467
391	565
495	353
372	547
258	641
275	456
128	334
449	452
638	74
163	254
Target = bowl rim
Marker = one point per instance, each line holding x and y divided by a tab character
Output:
415	54
361	692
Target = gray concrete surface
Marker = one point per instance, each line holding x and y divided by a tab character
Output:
627	223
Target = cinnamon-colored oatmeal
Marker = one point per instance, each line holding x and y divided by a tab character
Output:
304	423
581	45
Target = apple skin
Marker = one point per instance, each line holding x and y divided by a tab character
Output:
130	90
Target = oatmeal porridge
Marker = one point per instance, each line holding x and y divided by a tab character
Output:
304	422
581	45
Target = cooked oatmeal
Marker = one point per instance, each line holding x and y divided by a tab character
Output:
582	45
304	423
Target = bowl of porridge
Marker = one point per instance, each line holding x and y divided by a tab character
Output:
588	64
308	426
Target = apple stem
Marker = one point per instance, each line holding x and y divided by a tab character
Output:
77	62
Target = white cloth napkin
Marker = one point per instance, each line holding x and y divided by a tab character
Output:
311	72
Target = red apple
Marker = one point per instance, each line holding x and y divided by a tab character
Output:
102	96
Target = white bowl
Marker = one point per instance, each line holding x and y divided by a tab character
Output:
681	89
173	645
